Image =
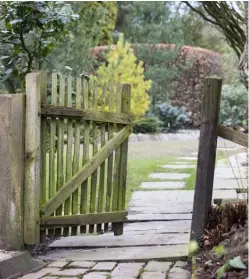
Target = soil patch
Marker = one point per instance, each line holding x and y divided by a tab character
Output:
227	229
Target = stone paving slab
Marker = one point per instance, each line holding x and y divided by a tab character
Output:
193	158
73	272
153	275
81	264
170	226
121	277
130	238
129	254
168	209
127	269
229	173
95	275
229	148
104	266
158	217
154	266
182	236
162	199
59	264
162	185
220	183
181	167
238	159
175	176
179	273
40	273
180	264
184	163
224	194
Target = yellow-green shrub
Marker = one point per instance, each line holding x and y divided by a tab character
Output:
122	67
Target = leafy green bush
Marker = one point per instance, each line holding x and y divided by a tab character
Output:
150	125
234	106
173	118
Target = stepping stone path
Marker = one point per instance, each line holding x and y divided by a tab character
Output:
155	240
187	158
181	167
175	176
162	185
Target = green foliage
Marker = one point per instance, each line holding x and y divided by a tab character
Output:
149	22
72	54
94	27
28	34
222	270
147	126
235	263
107	25
229	66
153	23
104	21
234	106
161	69
219	250
122	67
193	247
173	118
227	17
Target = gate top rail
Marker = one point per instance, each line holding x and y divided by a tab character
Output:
85	114
233	135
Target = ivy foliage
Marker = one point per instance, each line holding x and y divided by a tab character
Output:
28	33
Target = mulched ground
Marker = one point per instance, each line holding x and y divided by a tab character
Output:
42	248
227	227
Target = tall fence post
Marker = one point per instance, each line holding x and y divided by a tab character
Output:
206	156
12	117
32	160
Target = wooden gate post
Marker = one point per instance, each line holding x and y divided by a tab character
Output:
206	156
12	117
32	159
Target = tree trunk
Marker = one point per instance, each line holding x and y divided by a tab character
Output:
243	64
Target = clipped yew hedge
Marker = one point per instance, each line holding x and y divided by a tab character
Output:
198	63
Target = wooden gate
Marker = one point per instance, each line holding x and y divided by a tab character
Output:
76	156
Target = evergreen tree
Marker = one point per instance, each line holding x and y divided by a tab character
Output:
160	68
123	67
152	23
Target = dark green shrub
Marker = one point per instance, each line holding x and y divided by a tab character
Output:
234	106
150	125
173	118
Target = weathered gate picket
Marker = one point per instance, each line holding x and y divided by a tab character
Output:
76	157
